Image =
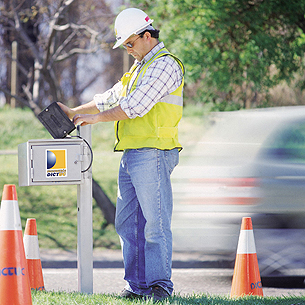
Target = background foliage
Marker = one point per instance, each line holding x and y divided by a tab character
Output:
234	51
238	54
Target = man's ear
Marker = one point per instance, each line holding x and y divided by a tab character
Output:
147	36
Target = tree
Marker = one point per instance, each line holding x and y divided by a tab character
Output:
233	45
53	37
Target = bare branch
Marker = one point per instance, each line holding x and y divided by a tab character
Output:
61	48
88	83
76	51
25	37
52	30
31	102
17	97
76	27
56	57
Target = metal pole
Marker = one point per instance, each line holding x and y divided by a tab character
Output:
84	220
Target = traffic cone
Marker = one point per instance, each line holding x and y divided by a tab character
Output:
246	277
14	280
32	254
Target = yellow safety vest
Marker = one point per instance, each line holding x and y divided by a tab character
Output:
159	127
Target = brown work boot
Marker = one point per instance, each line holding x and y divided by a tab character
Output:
159	293
130	295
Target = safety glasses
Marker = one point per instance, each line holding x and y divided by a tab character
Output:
130	44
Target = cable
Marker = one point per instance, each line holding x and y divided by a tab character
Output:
91	152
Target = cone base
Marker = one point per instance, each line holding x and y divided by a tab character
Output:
35	274
14	281
246	277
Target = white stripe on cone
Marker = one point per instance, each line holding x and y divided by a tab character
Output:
31	246
246	244
10	216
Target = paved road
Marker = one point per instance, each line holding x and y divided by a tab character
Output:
192	273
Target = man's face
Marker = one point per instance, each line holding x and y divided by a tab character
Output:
136	47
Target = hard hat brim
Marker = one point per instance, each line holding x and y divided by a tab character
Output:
122	39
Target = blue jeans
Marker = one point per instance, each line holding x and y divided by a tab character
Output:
143	217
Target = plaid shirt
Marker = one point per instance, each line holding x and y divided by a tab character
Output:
163	76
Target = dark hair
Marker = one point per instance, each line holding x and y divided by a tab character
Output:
154	33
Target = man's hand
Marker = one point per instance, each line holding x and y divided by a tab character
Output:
85	119
68	111
89	114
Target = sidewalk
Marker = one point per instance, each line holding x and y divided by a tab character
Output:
57	258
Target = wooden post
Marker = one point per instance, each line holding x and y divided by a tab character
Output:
14	74
36	82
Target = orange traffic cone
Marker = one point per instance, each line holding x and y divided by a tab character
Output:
246	277
14	279
31	246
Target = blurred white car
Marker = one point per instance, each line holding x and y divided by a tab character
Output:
247	163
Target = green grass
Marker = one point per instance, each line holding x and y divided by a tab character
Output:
54	207
63	298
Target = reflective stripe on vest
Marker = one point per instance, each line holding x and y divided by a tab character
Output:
174	97
159	127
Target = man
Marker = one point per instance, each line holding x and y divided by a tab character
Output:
146	106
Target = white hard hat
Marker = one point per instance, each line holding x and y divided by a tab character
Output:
130	21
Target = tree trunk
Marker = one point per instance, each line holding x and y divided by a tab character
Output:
103	202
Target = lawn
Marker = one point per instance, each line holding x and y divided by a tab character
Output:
63	298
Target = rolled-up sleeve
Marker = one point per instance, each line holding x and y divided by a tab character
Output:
109	98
